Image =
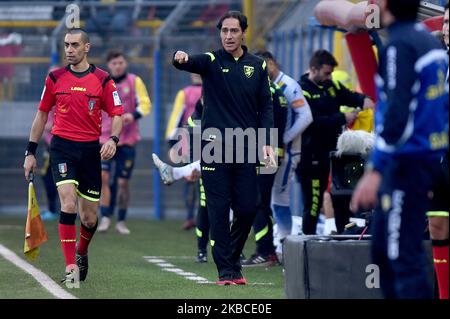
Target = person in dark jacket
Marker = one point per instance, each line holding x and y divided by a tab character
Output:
262	226
237	97
324	97
411	123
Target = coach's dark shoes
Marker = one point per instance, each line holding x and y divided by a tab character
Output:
202	257
225	281
239	279
236	279
82	263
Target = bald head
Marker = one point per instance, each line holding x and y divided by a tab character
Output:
84	35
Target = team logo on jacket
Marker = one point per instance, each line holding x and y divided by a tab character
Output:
332	91
248	70
116	98
62	168
63	108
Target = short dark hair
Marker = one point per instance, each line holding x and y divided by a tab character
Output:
236	15
265	55
404	9
112	54
84	35
322	57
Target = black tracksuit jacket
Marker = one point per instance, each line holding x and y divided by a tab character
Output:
236	92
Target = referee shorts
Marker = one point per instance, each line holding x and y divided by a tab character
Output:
77	163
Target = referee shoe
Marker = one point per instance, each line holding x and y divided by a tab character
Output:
82	263
71	275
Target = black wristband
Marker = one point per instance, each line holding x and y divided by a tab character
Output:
31	148
115	139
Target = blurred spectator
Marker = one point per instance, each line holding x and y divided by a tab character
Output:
336	207
210	15
183	108
137	104
405	164
110	18
364	121
438	212
10	46
325	98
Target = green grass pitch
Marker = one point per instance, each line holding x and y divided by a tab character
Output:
118	268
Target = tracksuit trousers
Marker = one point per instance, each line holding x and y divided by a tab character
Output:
313	176
263	226
202	228
230	185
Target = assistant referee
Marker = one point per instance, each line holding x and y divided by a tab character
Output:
79	92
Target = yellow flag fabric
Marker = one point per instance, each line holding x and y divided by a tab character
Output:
364	121
35	233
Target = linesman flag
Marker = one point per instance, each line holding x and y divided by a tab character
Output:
35	233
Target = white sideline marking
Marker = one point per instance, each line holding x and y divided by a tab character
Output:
40	277
159	261
175	270
169	257
187	274
196	278
156	261
165	265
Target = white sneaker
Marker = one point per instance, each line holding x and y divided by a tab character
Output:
165	170
122	228
104	224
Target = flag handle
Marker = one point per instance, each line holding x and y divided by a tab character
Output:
31	177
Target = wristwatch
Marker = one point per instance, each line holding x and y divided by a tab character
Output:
115	139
